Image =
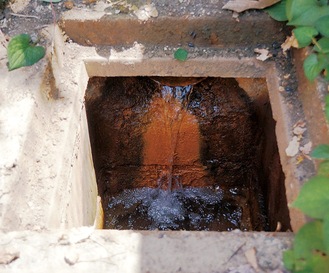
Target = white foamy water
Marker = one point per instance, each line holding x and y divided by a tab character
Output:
187	208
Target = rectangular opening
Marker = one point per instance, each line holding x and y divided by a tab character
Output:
186	153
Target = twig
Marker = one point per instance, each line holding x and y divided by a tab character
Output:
23	15
236	251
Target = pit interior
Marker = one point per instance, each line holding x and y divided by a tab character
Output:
186	153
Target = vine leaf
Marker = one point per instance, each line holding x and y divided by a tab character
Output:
323	45
326	233
278	11
242	5
313	198
22	53
304	35
309	17
296	8
322	25
321	152
181	54
289	259
308	239
313	65
309	251
323	169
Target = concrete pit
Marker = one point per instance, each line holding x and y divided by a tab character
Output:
211	133
55	166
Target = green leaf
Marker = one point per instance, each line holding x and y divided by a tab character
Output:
323	169
323	2
21	53
289	259
294	8
313	66
326	233
278	11
320	262
313	198
321	151
309	238
180	54
322	45
322	25
310	16
304	35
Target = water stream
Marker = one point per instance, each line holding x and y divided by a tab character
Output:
170	206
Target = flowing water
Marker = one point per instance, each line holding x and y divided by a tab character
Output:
170	206
179	209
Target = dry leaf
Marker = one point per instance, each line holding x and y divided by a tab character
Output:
300	123
7	258
264	54
293	147
299	130
147	11
242	5
291	41
299	159
306	149
251	258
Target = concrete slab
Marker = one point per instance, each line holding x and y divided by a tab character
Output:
86	250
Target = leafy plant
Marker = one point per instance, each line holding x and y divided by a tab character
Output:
311	21
310	252
22	52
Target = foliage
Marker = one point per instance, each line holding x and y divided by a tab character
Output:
181	54
310	252
311	21
21	52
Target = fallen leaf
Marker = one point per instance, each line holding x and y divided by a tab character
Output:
293	147
306	149
264	54
291	41
300	123
235	16
299	130
251	258
299	159
7	257
147	11
242	5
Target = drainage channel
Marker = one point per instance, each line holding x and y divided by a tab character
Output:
186	153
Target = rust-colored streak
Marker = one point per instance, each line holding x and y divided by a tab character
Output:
172	142
172	135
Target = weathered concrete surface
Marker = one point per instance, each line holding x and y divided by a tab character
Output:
41	118
46	172
221	30
88	250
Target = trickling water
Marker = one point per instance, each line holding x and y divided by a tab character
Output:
187	209
175	108
168	139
